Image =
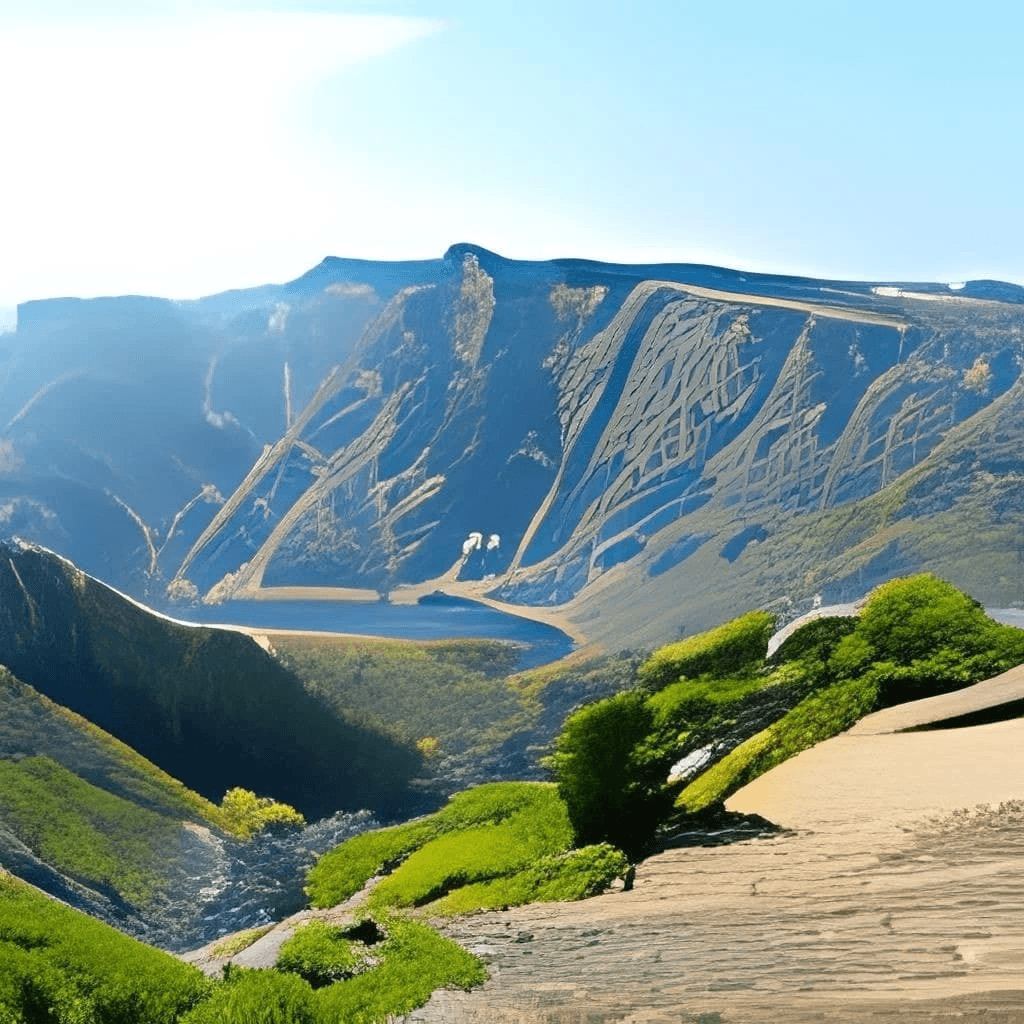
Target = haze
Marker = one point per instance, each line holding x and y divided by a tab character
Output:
181	149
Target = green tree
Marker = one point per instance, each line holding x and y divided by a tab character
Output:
612	787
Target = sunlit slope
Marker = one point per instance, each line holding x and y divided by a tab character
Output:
602	429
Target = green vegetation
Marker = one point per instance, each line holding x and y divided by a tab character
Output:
728	649
239	941
914	637
611	787
449	696
817	718
60	966
321	953
485	833
84	831
245	814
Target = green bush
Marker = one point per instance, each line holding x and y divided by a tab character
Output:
258	997
817	718
244	813
920	636
415	961
479	852
730	649
320	953
815	640
609	779
574	875
344	870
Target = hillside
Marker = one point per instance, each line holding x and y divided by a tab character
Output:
703	440
209	706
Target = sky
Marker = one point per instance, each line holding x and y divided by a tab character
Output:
184	148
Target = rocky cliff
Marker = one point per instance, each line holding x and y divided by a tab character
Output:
655	448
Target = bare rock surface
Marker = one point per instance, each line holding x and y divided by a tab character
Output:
896	895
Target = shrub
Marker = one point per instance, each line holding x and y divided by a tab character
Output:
920	636
817	718
610	782
730	649
478	853
815	640
244	813
415	961
320	953
258	997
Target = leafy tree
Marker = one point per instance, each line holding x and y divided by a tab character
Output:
611	786
245	813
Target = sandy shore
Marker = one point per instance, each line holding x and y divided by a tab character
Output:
892	898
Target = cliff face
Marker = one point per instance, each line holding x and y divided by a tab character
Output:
653	447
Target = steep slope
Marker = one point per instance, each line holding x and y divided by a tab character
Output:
209	706
562	433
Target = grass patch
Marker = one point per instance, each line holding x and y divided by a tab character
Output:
239	941
321	954
59	965
84	831
344	870
730	649
452	692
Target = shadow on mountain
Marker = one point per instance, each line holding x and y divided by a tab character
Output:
209	706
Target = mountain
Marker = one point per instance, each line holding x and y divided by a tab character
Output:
648	449
209	706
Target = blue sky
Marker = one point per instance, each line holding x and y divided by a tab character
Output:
185	148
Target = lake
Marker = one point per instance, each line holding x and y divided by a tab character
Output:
433	618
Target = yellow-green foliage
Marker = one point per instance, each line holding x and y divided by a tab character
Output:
452	692
58	965
415	960
245	814
727	775
817	718
239	941
84	831
31	722
482	832
320	953
412	961
478	853
691	701
732	648
573	875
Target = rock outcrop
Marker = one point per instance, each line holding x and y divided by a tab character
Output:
702	440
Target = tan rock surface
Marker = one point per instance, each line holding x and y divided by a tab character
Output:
889	899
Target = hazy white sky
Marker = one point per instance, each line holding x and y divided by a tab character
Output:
185	148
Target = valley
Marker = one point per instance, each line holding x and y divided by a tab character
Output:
462	581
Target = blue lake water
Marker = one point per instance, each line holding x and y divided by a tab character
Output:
433	618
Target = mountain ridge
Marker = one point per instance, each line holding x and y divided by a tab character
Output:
352	428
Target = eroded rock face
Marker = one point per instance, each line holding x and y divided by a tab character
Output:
699	439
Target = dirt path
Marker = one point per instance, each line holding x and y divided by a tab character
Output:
886	902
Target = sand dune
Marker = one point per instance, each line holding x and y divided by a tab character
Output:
893	897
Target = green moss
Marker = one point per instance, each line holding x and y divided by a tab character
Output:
415	961
729	649
817	718
481	832
239	941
